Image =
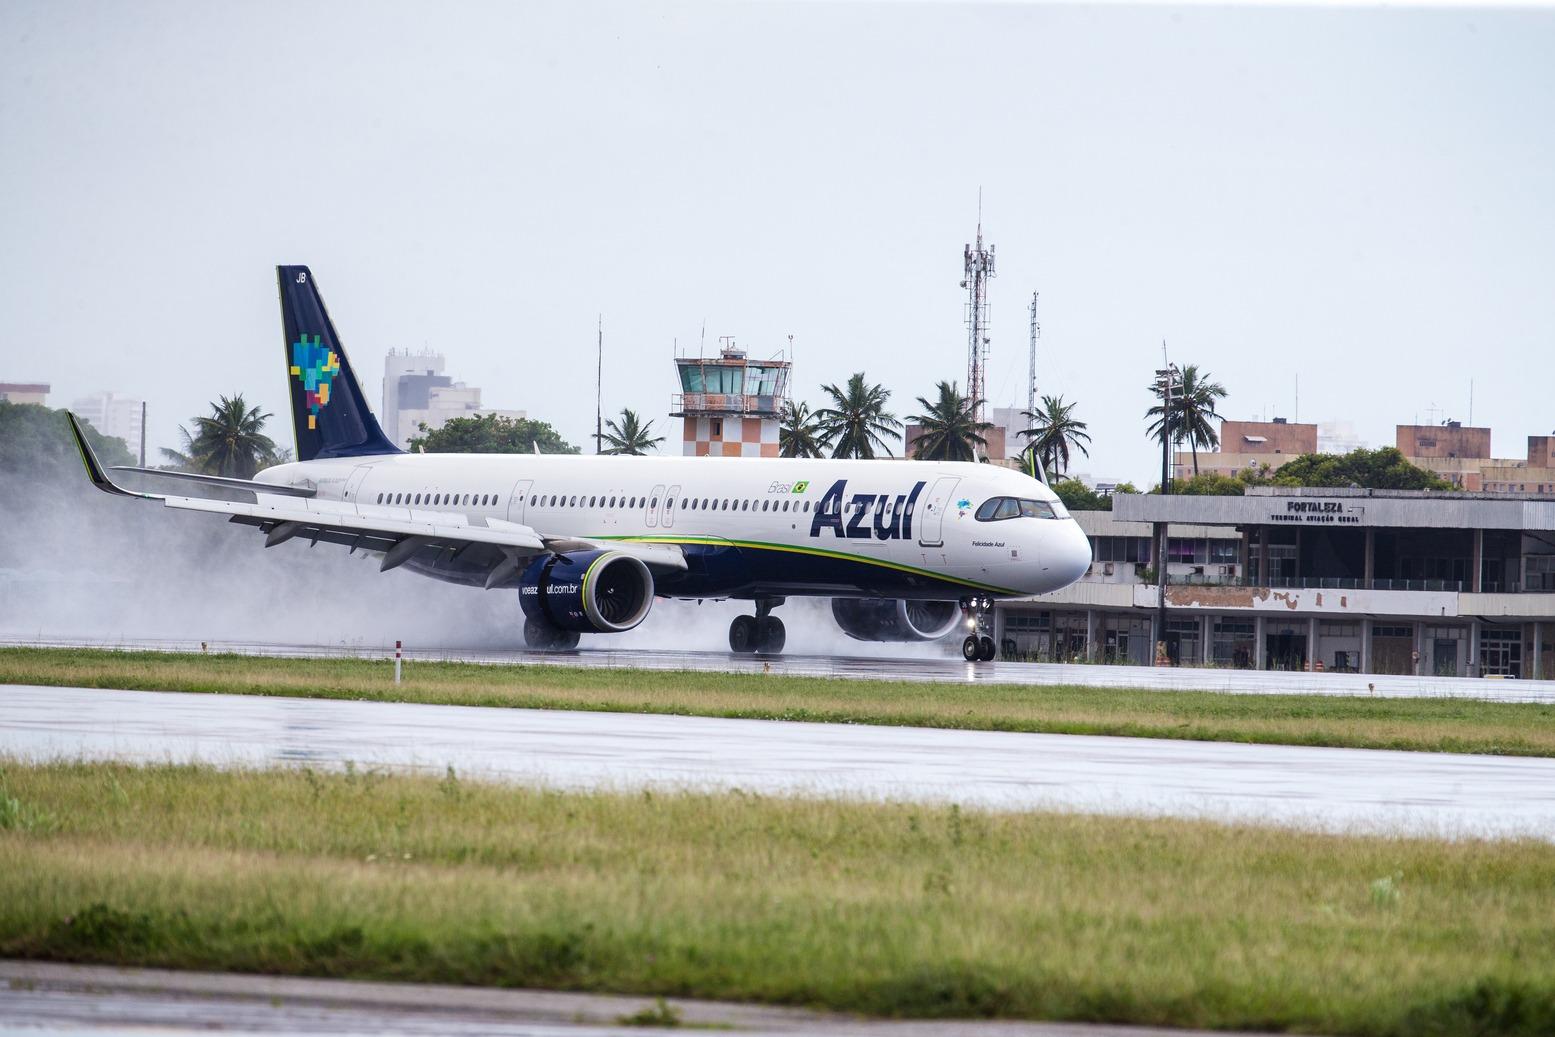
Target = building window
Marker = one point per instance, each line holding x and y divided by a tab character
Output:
1233	644
715	427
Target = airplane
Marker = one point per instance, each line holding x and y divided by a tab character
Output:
906	550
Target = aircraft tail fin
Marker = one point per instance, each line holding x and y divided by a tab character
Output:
330	416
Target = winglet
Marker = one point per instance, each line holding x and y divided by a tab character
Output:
94	469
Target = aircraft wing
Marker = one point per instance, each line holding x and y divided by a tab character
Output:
399	533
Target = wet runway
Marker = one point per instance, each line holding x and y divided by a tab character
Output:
1330	789
49	998
916	663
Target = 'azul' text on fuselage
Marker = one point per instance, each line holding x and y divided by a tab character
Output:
868	516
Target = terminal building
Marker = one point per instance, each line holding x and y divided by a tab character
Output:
1365	581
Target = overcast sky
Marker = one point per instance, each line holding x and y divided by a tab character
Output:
1361	198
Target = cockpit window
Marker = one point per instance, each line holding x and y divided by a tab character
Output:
996	509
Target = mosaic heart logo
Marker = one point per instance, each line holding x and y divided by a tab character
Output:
315	367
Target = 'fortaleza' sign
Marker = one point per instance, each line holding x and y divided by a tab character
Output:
1319	512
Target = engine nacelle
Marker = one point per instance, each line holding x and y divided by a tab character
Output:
895	619
591	592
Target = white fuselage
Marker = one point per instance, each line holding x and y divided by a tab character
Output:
802	526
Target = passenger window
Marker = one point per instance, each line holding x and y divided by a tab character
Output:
533	500
418	498
806	505
654	503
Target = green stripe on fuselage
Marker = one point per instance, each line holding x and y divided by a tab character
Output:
819	552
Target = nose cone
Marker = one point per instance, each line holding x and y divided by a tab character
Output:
1069	556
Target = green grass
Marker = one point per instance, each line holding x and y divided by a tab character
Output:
890	910
1433	724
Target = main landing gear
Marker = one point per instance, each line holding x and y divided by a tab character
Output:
978	646
762	633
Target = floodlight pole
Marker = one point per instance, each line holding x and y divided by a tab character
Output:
1166	378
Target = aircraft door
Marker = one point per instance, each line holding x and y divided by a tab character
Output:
931	512
652	504
671	498
354	484
518	500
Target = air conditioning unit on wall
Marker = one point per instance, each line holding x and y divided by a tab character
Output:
1106	570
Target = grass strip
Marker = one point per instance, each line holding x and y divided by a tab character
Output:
889	910
1423	724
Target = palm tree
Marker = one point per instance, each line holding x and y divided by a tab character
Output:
1192	415
230	442
1055	431
951	431
799	432
631	436
857	423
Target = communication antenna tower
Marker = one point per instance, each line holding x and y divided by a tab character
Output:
979	267
1031	370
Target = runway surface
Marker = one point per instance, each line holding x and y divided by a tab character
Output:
917	663
1329	789
84	999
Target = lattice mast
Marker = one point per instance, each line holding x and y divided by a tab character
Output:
1031	369
979	267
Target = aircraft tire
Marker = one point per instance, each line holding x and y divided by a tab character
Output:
971	649
742	635
770	635
986	649
543	637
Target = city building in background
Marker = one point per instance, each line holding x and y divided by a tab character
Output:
1459	453
730	404
416	391
24	392
1339	437
1365	581
1250	444
113	414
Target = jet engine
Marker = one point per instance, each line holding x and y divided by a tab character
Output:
895	619
590	592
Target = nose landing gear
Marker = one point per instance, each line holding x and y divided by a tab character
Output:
762	633
978	646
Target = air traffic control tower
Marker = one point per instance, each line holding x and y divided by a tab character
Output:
730	404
